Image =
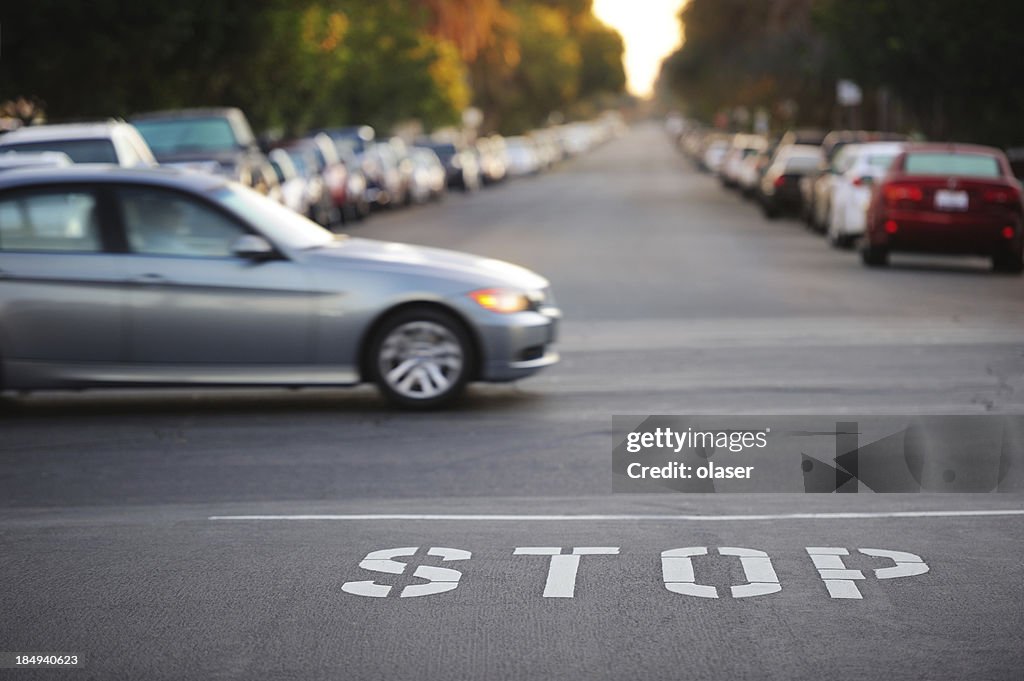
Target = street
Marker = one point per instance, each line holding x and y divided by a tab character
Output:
177	534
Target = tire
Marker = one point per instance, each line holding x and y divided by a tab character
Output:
1009	263
837	239
770	212
874	256
421	358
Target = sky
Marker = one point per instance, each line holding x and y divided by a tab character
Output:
650	29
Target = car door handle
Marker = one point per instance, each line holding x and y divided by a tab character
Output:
149	279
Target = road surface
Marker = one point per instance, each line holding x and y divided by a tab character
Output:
219	535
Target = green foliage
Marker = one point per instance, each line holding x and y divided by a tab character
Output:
953	64
297	63
761	54
549	57
947	64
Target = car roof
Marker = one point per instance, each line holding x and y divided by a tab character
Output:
102	173
62	131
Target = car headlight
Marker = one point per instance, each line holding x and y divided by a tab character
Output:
502	300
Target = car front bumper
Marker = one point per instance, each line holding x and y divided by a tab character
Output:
518	345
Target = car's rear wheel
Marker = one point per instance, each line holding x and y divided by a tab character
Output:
421	358
1011	262
874	256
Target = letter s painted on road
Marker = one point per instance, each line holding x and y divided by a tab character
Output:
440	579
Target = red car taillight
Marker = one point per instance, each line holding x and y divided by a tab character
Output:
902	194
779	181
1000	195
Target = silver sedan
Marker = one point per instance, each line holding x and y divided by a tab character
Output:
112	277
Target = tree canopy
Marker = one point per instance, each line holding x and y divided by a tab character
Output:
945	66
301	63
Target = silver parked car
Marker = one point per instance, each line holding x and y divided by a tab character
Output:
112	277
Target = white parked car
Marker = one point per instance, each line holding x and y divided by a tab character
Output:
114	142
743	147
715	154
858	167
522	156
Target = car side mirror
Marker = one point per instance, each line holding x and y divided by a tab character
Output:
253	247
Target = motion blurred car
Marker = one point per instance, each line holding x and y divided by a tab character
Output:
188	279
114	142
213	140
779	188
858	168
949	199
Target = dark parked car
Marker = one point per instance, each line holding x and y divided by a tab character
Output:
161	278
357	137
950	199
214	140
462	170
779	189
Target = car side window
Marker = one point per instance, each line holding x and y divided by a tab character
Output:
57	220
159	222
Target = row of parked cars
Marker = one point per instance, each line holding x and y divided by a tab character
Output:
205	272
879	192
333	176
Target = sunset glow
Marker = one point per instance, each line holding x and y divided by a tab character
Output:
650	29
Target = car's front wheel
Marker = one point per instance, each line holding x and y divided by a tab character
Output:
421	358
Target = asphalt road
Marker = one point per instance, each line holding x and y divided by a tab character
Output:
126	533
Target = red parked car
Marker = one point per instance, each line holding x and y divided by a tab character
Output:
949	199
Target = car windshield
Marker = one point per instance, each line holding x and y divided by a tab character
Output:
79	151
880	160
177	135
934	163
279	224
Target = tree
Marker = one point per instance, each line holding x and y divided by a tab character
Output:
764	54
949	62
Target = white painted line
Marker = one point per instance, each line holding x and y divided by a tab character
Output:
639	517
561	581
